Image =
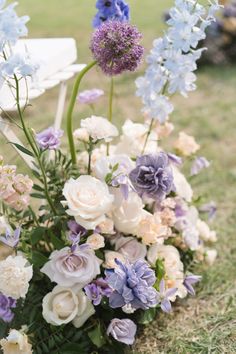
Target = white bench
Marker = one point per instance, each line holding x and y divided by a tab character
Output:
57	59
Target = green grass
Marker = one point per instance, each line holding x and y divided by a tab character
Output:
205	324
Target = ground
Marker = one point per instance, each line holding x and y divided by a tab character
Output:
205	324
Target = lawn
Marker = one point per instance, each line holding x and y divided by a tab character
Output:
205	324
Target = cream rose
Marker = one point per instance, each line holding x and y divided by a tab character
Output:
96	241
128	213
186	144
99	128
15	274
67	268
151	229
88	200
110	259
64	305
16	343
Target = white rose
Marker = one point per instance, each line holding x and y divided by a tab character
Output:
15	274
210	256
183	188
128	213
110	259
107	227
67	268
186	144
130	248
96	241
88	200
205	233
151	229
99	128
64	305
60	306
133	139
16	343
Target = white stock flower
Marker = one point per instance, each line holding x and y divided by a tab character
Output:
182	187
81	134
99	128
67	268
16	343
15	274
88	200
205	233
64	305
210	256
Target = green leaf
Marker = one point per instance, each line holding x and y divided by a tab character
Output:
38	188
160	272
57	242
37	235
97	336
38	259
37	195
22	149
147	316
72	348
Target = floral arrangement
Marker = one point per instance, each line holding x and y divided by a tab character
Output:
117	229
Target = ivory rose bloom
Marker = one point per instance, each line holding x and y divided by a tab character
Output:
110	259
96	241
15	274
67	268
186	144
128	213
88	200
107	227
16	343
64	305
99	128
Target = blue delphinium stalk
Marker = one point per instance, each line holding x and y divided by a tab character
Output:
111	10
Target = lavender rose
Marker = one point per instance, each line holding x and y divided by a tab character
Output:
67	268
152	176
122	330
49	138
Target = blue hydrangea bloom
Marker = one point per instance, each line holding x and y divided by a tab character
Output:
132	284
111	10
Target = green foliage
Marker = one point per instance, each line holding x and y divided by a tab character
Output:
97	336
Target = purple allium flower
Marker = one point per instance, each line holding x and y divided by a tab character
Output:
199	164
152	176
132	284
115	46
189	281
122	330
111	10
11	238
96	290
164	295
6	304
49	138
209	208
90	96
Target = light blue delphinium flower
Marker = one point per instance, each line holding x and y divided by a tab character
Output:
111	10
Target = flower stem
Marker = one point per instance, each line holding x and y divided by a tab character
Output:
90	151
110	107
148	134
33	146
71	109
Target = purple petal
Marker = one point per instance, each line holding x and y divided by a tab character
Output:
166	305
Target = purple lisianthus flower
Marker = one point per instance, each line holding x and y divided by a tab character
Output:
132	284
189	281
115	46
122	330
199	164
175	159
11	238
152	176
76	231
209	208
49	138
6	304
164	296
96	290
111	10
90	96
